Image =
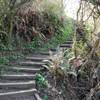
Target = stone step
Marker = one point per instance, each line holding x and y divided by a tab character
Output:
38	55
53	49
31	63
17	77
41	53
28	64
27	70
17	94
44	53
40	59
32	97
16	72
68	42
66	45
17	85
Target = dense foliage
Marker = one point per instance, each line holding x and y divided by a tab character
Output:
42	25
23	21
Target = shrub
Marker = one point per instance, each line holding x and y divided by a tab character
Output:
3	60
40	81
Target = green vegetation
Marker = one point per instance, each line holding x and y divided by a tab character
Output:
40	29
16	30
41	82
28	26
3	60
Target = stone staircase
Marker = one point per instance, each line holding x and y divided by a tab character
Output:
18	83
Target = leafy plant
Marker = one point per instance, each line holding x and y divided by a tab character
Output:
44	97
44	24
60	64
55	65
8	9
40	81
12	57
3	60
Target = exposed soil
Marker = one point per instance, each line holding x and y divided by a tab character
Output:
68	89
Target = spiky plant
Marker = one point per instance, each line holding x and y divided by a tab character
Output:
54	65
